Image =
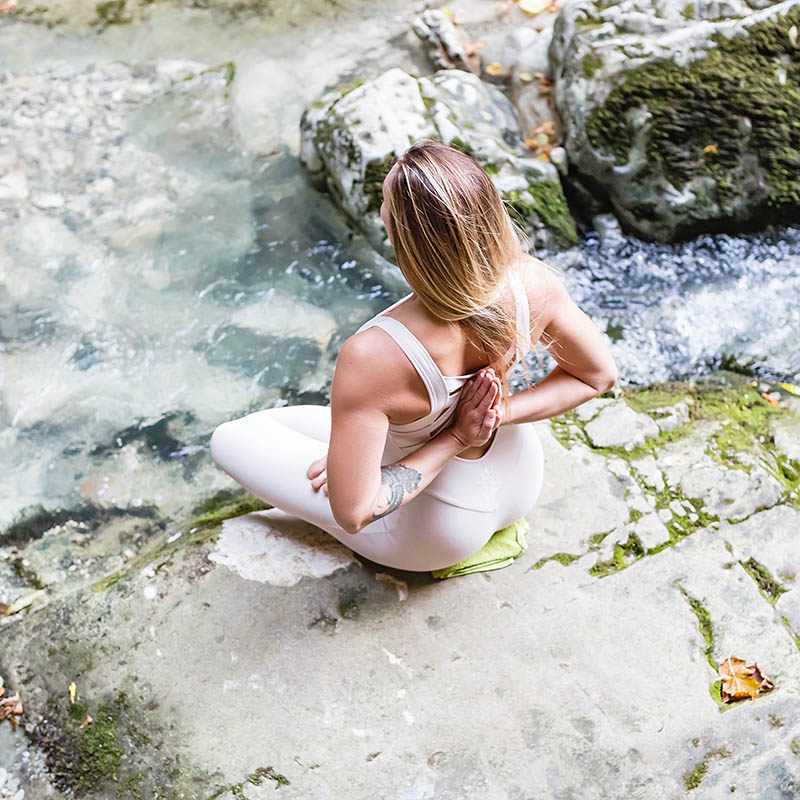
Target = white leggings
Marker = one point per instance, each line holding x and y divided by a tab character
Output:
268	452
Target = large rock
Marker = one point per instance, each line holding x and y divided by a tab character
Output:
682	112
352	135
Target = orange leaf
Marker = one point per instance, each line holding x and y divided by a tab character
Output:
547	128
741	680
770	400
495	68
8	5
711	148
86	721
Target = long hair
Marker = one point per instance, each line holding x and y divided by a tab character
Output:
454	241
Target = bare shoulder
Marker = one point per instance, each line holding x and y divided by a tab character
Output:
543	286
370	368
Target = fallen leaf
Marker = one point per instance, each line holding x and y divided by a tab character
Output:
525	77
533	7
24	601
791	388
4	608
10	707
771	400
554	7
741	680
72	689
86	721
8	5
547	128
711	148
495	68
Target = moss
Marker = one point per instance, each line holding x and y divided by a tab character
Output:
492	169
545	200
565	559
703	623
688	11
767	585
591	63
775	721
794	746
795	636
374	174
703	103
461	145
625	554
694	777
635	516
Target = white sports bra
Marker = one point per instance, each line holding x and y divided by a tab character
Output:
443	390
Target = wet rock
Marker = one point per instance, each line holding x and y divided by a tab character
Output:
448	47
727	492
350	137
662	109
608	230
273	547
618	425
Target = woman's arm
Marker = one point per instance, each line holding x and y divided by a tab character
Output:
585	365
359	489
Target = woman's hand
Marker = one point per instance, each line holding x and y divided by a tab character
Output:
479	411
318	475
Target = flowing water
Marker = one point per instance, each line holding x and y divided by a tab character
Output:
165	266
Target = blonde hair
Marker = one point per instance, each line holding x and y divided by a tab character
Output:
454	242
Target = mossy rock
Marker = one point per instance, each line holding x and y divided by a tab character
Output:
692	127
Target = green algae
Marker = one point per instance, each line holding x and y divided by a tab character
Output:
565	559
703	623
591	63
694	777
770	588
625	554
374	175
546	200
255	778
702	104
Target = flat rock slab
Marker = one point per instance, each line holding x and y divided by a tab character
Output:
362	684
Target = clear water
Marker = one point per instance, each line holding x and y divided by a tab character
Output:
192	274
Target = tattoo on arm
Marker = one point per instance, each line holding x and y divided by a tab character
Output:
399	479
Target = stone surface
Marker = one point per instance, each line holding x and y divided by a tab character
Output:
660	105
618	425
351	135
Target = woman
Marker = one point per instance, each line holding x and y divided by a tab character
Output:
422	454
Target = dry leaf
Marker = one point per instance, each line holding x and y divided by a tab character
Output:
547	128
525	77
741	680
554	7
10	707
533	7
770	400
8	5
711	148
4	608
86	721
495	68
72	690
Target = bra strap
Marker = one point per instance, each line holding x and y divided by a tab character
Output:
419	357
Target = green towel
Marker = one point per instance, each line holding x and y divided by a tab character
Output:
504	546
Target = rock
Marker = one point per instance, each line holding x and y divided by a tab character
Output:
671	417
608	230
13	186
727	492
665	515
447	46
591	408
786	435
646	466
281	315
47	200
618	425
351	136
651	531
663	110
273	547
